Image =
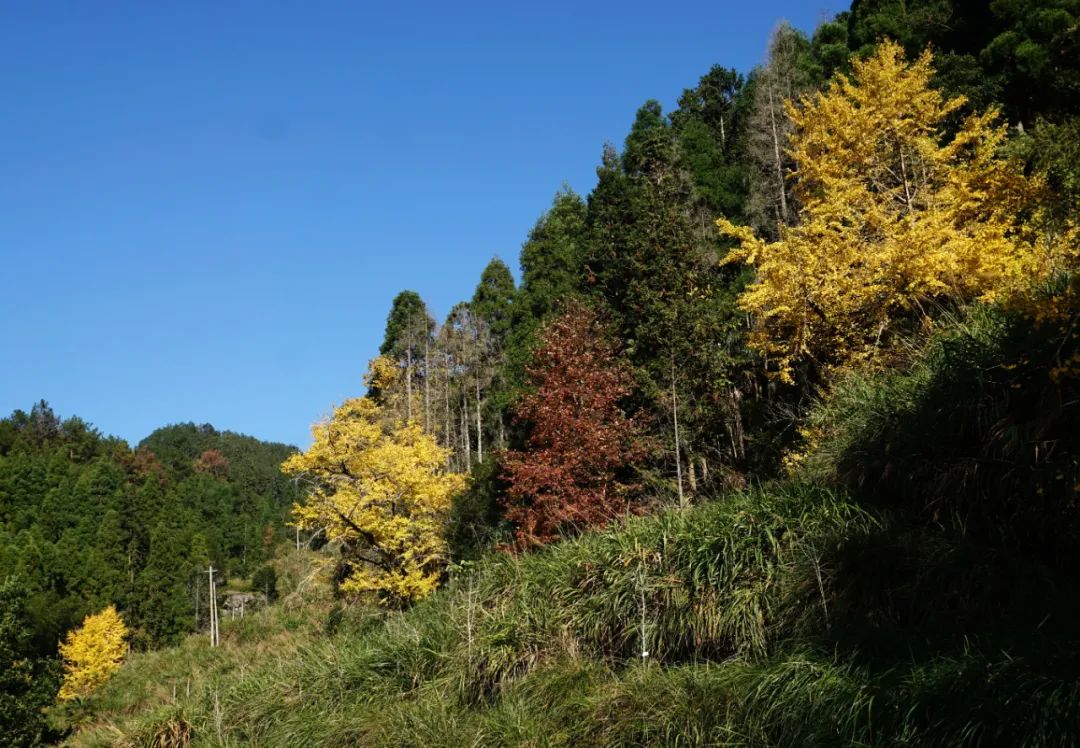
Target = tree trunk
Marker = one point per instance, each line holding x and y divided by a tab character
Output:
427	385
779	163
447	438
465	436
740	451
479	425
408	383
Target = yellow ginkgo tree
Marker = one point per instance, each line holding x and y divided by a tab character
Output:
92	653
898	219
380	487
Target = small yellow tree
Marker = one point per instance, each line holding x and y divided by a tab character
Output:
380	487
92	653
896	218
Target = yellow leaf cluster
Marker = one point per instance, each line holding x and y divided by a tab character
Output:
896	218
92	653
381	488
397	399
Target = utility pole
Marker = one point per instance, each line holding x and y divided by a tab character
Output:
215	636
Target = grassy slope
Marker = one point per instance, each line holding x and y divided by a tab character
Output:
791	615
544	651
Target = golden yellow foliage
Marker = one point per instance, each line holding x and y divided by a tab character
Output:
381	488
383	373
896	219
92	653
398	401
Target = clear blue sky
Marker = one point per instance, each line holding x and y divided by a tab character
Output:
206	208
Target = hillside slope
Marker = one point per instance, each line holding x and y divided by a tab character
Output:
86	521
747	645
839	607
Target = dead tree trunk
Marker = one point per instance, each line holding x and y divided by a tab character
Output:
479	424
779	162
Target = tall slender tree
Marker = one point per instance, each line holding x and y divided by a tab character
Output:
494	302
407	341
786	75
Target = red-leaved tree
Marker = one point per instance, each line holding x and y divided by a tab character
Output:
213	463
576	472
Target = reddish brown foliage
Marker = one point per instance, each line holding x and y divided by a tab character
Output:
143	464
213	463
574	474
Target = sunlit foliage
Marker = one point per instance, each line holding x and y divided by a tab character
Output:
92	653
381	489
897	219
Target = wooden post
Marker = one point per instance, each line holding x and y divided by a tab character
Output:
215	638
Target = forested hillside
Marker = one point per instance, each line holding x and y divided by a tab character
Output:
86	521
774	444
959	180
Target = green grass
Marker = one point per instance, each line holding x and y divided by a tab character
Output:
750	640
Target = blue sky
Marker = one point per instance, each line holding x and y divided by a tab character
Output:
206	208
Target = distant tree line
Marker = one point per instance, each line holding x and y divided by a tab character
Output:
87	521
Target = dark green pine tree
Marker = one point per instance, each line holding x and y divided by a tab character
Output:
1036	56
655	271
708	128
408	340
551	258
265	580
198	560
407	313
493	300
28	681
551	271
162	603
114	575
1021	54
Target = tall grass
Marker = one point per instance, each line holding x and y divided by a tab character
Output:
981	433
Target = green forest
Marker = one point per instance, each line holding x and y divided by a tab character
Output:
775	443
85	521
